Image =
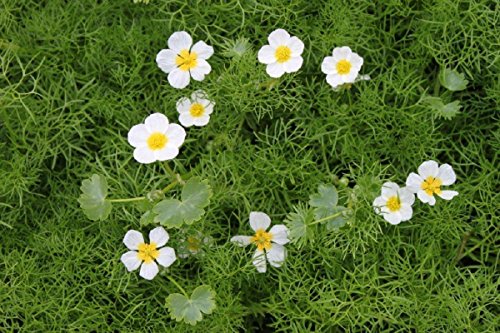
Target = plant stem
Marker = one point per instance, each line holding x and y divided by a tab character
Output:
126	200
178	285
170	186
169	170
326	218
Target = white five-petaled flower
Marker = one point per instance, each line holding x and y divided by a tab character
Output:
156	139
395	203
269	243
282	55
195	111
146	255
342	67
429	180
182	61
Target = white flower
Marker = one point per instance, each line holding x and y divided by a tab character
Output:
269	243
429	180
182	61
195	111
395	203
342	67
282	55
156	139
146	254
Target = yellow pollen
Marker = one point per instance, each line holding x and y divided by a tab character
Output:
197	110
157	141
343	67
394	204
193	244
148	252
186	60
262	239
431	185
283	54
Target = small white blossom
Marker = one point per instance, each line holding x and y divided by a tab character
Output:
282	55
196	110
342	67
395	203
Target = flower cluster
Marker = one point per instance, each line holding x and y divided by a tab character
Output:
395	203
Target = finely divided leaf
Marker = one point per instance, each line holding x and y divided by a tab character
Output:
93	198
190	309
195	197
298	225
452	80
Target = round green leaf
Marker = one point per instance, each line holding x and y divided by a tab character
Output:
93	198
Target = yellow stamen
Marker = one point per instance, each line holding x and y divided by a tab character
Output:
393	204
431	185
262	239
148	252
283	54
186	60
193	244
343	67
197	110
157	141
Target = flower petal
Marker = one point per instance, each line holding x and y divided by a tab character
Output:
276	256
406	212
280	234
275	70
132	239
168	153
406	196
296	46
425	198
393	218
428	168
378	204
259	261
165	59
448	195
176	135
293	64
259	220
414	182
241	240
186	119
389	189
149	270
328	66
178	78
201	120
340	53
166	256
209	107
158	235
278	37
183	105
144	155
198	95
266	54
131	260
179	41
156	122
334	80
138	136
356	61
350	77
203	68
446	174
202	50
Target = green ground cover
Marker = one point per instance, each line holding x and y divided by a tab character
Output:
76	75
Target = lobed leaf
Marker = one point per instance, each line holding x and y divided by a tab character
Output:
190	309
326	197
93	198
452	80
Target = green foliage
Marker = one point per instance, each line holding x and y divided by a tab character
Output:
299	225
326	209
93	198
194	198
190	309
452	80
441	110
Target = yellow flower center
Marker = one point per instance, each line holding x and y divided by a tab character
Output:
343	67
431	185
193	244
197	110
186	60
393	203
148	252
157	141
283	53
262	239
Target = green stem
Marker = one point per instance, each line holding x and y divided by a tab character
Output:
326	218
177	285
126	200
170	186
437	86
169	170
